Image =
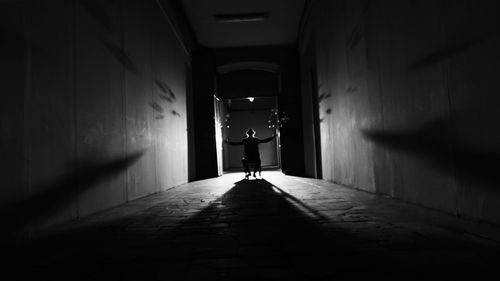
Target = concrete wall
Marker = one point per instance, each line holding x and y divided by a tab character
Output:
408	99
204	89
95	106
12	105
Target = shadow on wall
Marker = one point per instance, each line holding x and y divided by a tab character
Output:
450	51
169	94
60	192
120	55
98	13
444	146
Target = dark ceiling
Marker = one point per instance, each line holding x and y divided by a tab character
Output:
280	26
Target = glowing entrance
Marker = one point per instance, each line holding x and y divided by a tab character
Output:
260	114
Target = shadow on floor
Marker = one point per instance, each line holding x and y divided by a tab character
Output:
255	231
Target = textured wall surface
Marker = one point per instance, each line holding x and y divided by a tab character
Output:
408	99
97	102
204	112
12	105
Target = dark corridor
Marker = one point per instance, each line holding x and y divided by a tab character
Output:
384	120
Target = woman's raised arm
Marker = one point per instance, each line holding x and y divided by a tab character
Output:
268	139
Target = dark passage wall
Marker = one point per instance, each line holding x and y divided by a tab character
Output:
94	113
408	99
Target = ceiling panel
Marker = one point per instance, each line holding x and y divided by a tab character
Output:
280	28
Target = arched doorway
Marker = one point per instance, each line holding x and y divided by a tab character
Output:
248	94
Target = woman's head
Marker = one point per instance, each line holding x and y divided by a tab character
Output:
250	132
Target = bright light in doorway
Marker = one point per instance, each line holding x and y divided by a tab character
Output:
251	99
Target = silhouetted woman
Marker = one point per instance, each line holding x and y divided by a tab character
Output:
251	155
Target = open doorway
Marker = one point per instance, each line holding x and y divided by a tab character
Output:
220	113
240	114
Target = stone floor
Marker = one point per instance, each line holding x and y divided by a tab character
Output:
275	228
